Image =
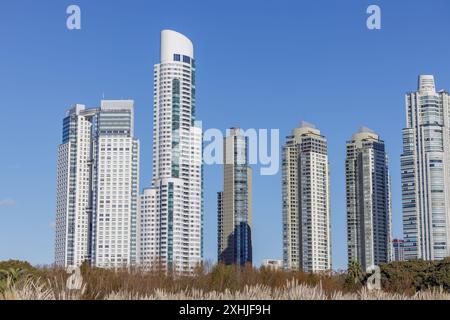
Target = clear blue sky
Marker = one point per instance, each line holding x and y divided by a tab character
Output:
261	64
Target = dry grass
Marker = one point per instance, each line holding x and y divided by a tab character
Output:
210	283
220	279
32	289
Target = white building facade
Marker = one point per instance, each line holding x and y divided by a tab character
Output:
272	264
97	187
173	235
425	166
73	190
306	201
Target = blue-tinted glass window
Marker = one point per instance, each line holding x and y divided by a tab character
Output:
176	57
186	59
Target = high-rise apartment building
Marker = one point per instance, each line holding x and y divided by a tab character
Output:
272	264
235	203
149	229
425	166
398	249
73	189
172	210
306	201
368	200
97	187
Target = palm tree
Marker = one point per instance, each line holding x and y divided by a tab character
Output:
355	275
9	277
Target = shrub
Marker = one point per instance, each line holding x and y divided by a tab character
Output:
398	277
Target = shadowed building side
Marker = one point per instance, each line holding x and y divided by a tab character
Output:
368	200
235	203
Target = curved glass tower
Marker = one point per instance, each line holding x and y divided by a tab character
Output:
171	224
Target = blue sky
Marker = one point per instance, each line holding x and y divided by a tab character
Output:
261	64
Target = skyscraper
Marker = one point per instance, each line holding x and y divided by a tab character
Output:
235	203
398	250
425	166
306	201
97	187
272	264
73	189
149	230
368	200
173	235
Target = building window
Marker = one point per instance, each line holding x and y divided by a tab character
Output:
177	57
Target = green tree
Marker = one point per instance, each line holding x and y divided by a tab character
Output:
354	277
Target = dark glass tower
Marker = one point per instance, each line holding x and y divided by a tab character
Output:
235	203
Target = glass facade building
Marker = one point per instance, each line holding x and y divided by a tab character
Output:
398	245
235	203
171	211
368	200
425	168
98	187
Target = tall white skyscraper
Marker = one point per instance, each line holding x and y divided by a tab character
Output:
172	235
425	166
368	200
306	201
73	188
97	187
149	229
